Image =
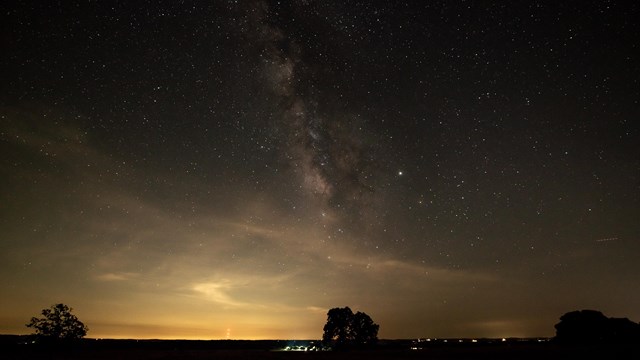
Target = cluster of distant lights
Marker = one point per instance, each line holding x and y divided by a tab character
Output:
473	341
447	340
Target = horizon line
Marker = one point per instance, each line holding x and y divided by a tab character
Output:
425	339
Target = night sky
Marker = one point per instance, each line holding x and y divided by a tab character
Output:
233	169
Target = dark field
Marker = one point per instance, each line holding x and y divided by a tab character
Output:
174	350
434	354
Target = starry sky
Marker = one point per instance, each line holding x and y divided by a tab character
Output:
234	169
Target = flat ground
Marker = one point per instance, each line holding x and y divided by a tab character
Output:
544	351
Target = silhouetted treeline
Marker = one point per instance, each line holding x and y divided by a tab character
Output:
592	327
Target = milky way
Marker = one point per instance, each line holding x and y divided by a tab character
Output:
325	147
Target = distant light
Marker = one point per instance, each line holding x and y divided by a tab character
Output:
400	173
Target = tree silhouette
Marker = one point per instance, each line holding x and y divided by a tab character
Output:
346	329
590	326
365	331
58	324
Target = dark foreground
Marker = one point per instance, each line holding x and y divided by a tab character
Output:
432	354
174	350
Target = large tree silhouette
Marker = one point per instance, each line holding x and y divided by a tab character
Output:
590	326
58	324
346	329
